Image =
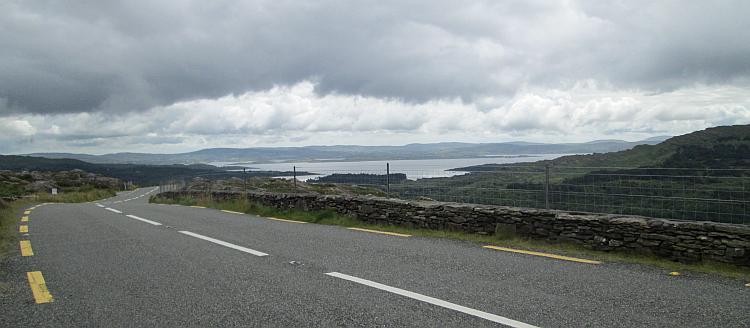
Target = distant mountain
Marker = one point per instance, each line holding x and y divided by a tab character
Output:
718	147
354	153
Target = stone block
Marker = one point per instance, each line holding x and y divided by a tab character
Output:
505	230
649	243
735	252
735	243
661	237
615	243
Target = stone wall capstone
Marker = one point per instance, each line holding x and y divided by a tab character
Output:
684	241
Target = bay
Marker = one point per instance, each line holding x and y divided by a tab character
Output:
414	169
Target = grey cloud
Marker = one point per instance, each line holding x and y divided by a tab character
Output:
64	57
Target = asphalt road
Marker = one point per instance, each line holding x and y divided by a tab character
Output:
162	265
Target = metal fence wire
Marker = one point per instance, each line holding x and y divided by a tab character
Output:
172	185
720	195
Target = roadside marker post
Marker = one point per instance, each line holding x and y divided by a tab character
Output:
244	181
546	186
388	180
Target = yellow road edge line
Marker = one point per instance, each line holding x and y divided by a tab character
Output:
381	232
26	212
24	219
23	229
38	287
196	206
554	256
285	220
26	248
233	212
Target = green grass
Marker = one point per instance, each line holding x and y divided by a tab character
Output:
244	206
10	212
11	190
340	188
329	217
75	196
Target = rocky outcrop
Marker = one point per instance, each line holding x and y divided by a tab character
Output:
14	184
685	241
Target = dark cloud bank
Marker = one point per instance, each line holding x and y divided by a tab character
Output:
82	56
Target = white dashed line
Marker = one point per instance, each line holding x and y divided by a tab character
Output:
100	205
223	243
144	220
434	301
113	210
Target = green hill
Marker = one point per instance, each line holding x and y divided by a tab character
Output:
720	147
137	173
704	175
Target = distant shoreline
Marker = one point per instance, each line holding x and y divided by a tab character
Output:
355	160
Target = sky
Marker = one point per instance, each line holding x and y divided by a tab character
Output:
174	76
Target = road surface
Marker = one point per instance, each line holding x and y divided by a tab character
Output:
125	262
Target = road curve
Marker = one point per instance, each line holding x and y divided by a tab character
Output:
125	262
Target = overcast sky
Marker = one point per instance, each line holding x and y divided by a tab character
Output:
171	76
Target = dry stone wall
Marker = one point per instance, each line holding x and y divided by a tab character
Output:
685	241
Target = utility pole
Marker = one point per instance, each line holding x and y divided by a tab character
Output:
388	179
546	186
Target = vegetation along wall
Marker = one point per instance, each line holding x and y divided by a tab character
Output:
686	241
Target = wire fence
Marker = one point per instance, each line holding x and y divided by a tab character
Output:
721	195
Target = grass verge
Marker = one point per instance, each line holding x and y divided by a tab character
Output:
329	217
75	196
10	212
9	217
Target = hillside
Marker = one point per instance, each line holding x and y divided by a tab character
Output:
354	153
698	176
718	148
16	184
139	174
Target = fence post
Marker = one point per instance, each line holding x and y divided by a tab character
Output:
546	186
244	180
294	169
388	180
